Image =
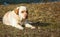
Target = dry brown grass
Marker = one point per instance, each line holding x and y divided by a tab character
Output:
46	16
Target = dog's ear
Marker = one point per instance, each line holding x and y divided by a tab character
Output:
16	11
27	11
27	15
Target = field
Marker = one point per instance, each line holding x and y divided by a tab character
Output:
45	17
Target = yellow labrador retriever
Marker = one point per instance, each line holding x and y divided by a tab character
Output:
17	18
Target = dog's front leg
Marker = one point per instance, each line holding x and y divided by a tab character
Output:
14	23
19	27
28	25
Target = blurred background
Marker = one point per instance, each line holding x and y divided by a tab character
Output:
25	1
45	15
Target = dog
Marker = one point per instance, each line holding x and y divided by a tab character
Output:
17	17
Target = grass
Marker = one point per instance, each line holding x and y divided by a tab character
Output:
45	16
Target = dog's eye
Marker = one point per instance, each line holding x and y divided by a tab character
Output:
22	12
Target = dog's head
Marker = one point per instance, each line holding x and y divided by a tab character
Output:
22	12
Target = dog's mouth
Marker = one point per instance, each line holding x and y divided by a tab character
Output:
25	17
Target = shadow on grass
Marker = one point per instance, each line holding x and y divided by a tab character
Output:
40	24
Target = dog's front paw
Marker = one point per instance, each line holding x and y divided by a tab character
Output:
29	26
21	28
32	27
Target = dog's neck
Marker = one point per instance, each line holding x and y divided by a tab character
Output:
20	19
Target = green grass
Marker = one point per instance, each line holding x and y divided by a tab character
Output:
46	18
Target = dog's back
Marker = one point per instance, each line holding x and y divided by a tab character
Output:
5	18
